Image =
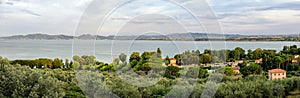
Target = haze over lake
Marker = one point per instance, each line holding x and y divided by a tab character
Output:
106	50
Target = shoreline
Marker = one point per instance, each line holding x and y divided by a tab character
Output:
144	40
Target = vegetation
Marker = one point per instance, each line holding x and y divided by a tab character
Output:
84	76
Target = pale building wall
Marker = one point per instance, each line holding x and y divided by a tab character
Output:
279	76
172	61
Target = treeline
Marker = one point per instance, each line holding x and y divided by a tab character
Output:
270	58
43	63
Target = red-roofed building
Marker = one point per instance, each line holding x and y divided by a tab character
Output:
277	74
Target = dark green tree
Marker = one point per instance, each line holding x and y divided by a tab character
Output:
251	69
159	53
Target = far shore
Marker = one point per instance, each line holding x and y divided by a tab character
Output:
152	40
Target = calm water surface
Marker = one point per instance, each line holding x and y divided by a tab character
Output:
106	50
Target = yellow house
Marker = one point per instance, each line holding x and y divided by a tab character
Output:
173	61
277	74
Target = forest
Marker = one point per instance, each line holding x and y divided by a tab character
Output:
86	77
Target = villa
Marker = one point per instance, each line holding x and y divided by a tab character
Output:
277	74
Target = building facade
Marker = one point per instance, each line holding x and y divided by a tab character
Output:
278	74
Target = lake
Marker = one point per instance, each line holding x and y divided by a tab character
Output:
106	50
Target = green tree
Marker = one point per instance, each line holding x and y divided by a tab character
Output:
229	71
167	60
57	63
257	53
278	61
75	65
159	53
172	72
215	59
251	69
238	53
194	72
207	51
135	56
123	57
67	64
205	58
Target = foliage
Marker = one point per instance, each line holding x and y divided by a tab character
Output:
172	72
229	71
251	69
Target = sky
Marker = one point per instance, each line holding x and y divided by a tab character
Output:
128	17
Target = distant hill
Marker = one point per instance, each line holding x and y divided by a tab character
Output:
38	37
173	36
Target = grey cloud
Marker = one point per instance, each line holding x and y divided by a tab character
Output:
283	6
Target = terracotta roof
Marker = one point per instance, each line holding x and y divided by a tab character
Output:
172	59
276	70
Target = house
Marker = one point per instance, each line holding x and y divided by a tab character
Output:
173	61
259	60
277	74
236	69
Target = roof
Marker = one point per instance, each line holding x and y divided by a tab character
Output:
172	59
276	70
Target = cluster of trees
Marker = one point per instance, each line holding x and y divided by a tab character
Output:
22	81
254	86
145	62
271	58
44	63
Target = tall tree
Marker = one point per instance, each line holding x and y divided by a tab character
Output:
67	64
167	60
278	60
159	53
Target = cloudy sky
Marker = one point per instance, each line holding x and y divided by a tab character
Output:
107	17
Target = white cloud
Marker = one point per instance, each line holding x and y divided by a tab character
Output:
236	16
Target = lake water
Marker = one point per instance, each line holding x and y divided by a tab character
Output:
106	50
